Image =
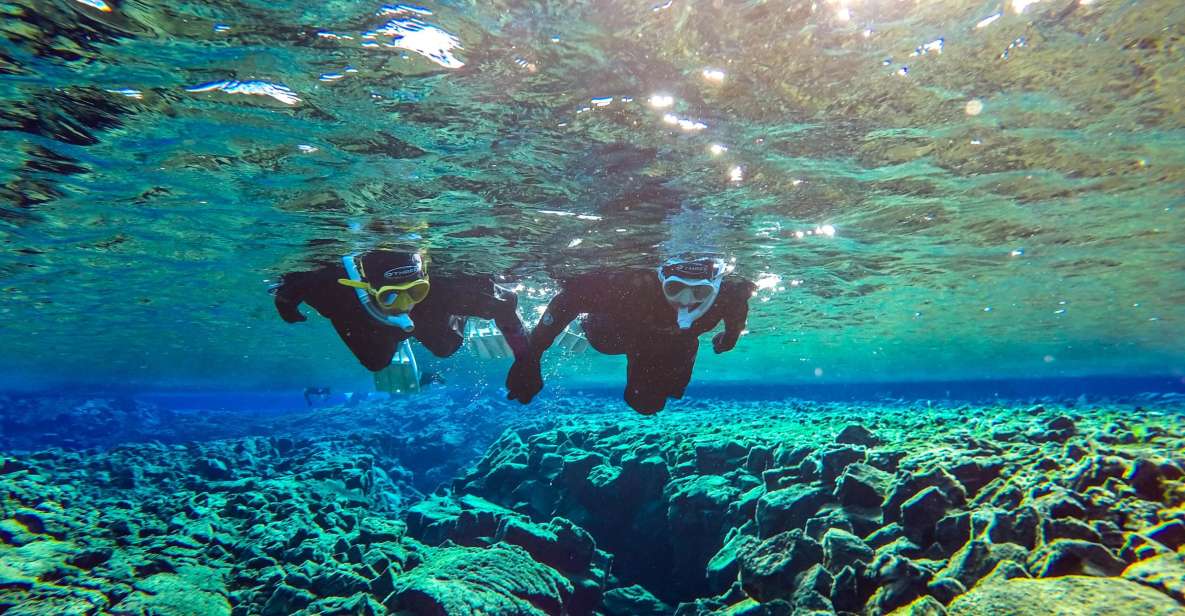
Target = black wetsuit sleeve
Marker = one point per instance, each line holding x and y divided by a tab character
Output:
525	378
501	305
735	307
290	294
563	309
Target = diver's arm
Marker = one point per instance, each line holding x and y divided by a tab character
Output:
560	312
525	378
736	314
290	294
502	307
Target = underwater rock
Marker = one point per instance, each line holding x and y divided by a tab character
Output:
91	558
1095	470
286	600
832	460
1017	526
975	473
334	520
906	485
861	485
841	549
789	508
1063	595
1068	528
357	605
499	580
192	590
724	567
337	583
921	513
850	589
978	558
768	569
1058	429
560	544
759	458
953	531
1147	476
719	456
855	434
1059	503
884	535
633	601
1170	533
922	606
1074	557
945	589
900	581
1164	572
815	581
1137	547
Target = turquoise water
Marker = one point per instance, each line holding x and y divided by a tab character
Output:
922	191
962	365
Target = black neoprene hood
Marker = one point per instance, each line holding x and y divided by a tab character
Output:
386	267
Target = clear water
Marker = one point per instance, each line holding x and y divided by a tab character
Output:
964	219
923	191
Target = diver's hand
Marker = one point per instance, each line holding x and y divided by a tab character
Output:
723	342
524	380
289	311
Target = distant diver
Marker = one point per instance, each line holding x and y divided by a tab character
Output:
316	395
380	299
655	321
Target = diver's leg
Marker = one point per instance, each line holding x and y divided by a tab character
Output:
641	392
374	347
659	371
681	365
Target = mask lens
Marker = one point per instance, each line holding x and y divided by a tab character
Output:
388	297
673	288
418	292
676	290
701	292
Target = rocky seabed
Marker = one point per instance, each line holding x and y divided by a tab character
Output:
707	508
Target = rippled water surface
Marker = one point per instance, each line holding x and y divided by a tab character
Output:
922	189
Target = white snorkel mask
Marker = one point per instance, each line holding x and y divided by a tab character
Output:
691	286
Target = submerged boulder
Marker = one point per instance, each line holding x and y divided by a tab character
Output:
499	580
789	508
633	601
1165	573
841	548
1063	595
768	569
920	514
862	485
855	434
906	485
833	460
1074	557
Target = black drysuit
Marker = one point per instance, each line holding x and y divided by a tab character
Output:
439	319
628	314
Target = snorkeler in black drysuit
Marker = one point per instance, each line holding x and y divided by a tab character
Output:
379	299
316	395
655	321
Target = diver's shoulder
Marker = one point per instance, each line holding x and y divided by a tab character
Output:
610	279
733	284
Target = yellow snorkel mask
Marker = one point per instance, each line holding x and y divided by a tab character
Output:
396	282
393	297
